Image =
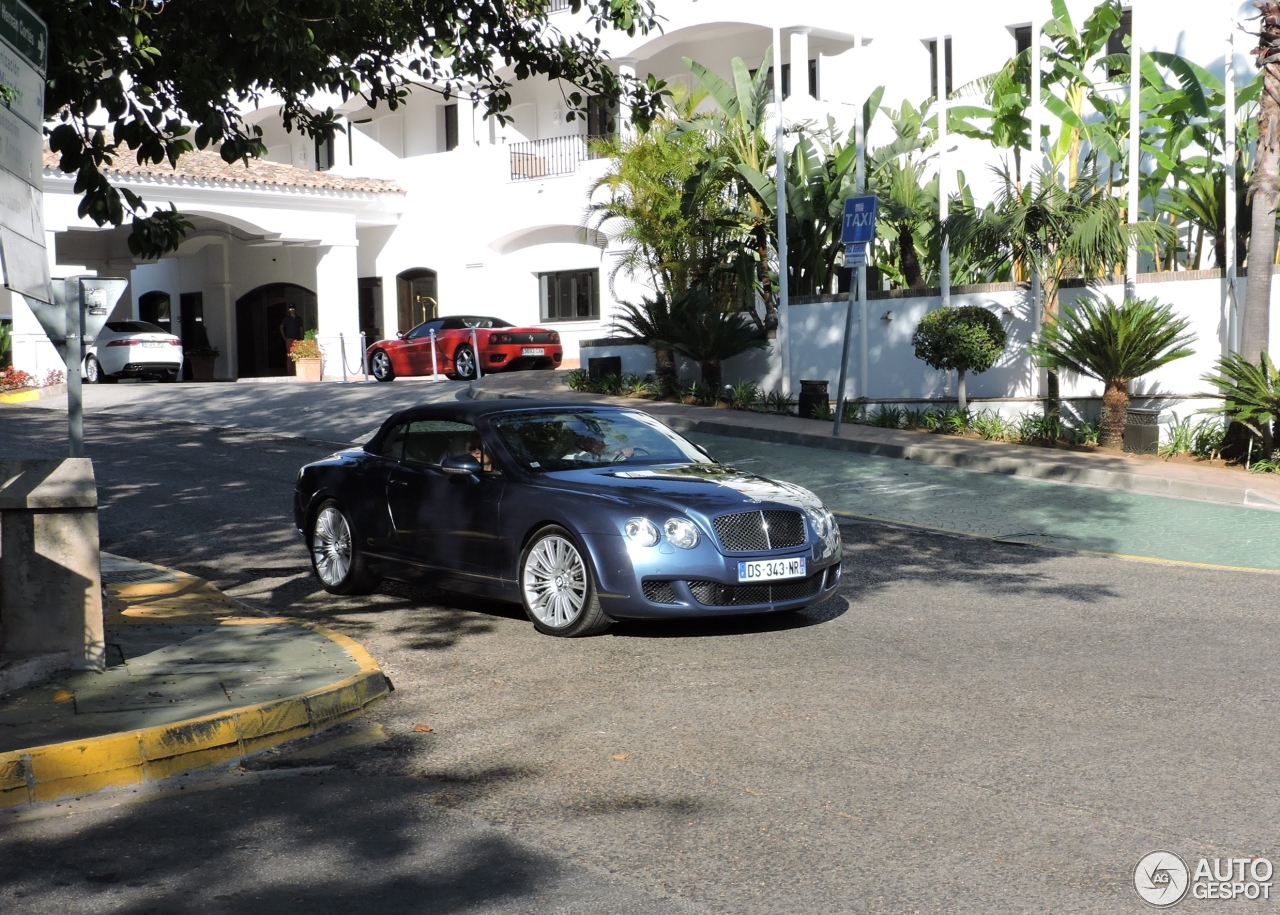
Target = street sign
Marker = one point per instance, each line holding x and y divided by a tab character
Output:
859	226
24	48
99	295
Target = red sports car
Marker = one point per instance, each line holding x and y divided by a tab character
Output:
500	346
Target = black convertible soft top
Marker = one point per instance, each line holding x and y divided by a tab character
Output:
467	411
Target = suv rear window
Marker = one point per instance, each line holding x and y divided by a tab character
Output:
134	327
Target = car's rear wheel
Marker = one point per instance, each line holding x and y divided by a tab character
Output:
336	556
93	373
381	367
464	362
556	586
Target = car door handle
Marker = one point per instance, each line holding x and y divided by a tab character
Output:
399	483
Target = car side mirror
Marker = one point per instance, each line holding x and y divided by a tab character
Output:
460	464
399	335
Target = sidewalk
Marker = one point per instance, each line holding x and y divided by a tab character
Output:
1104	470
192	680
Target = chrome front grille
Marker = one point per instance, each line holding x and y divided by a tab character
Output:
752	532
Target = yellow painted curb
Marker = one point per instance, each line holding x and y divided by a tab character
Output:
83	766
19	397
77	767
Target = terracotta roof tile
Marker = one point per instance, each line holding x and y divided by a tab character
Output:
208	166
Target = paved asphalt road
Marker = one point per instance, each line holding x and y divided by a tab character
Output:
968	727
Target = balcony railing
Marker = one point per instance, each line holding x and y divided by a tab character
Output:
548	158
555	6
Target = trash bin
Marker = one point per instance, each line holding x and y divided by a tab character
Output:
812	393
1142	431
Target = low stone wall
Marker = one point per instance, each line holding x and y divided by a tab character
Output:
50	584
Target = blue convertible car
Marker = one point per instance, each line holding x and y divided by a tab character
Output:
584	514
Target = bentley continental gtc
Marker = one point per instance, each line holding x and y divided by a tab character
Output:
582	514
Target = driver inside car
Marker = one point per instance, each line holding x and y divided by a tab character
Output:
475	448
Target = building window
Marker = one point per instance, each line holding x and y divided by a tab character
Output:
933	68
601	116
450	127
1022	45
1115	42
570	295
324	153
786	80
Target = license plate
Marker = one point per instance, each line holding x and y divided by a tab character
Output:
153	344
772	569
533	351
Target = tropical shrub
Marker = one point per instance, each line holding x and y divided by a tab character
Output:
577	380
915	418
709	335
887	417
964	339
1251	395
1114	344
993	427
6	346
779	403
1039	429
744	395
822	411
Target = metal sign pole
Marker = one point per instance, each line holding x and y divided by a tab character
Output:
435	371
342	348
475	352
73	353
364	356
857	231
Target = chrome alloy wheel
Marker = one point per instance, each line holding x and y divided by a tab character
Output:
555	582
381	367
464	362
331	546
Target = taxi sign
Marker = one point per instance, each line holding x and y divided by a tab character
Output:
859	226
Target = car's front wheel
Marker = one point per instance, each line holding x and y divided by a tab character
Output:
556	586
336	556
464	362
381	367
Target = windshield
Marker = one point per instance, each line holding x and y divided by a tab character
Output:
571	439
134	327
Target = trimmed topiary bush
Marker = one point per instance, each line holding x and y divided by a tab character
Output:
965	339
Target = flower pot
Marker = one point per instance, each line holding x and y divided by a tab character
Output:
308	369
202	367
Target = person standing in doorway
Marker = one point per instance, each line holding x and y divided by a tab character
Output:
291	330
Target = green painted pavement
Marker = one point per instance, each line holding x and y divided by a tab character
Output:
1015	508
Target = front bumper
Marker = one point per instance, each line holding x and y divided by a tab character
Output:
653	583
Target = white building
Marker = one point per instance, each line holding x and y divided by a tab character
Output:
433	209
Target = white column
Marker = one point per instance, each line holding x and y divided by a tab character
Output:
800	65
780	182
219	307
626	68
1035	159
944	184
337	306
1229	165
1135	148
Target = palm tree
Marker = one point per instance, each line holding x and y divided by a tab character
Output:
651	323
708	334
1056	232
1255	327
1114	344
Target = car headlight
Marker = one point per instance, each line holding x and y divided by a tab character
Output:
642	532
682	533
819	518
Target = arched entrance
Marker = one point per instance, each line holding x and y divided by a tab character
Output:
417	298
260	348
153	307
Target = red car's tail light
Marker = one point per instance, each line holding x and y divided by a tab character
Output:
554	338
499	338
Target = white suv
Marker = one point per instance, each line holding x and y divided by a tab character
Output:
133	349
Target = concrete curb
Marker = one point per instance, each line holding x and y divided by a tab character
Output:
46	773
30	395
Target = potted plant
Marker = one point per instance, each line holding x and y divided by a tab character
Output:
202	360
307	359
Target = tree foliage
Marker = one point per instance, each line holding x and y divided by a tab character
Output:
1251	395
1114	344
966	339
153	79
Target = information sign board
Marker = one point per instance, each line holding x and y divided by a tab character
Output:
24	48
859	226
